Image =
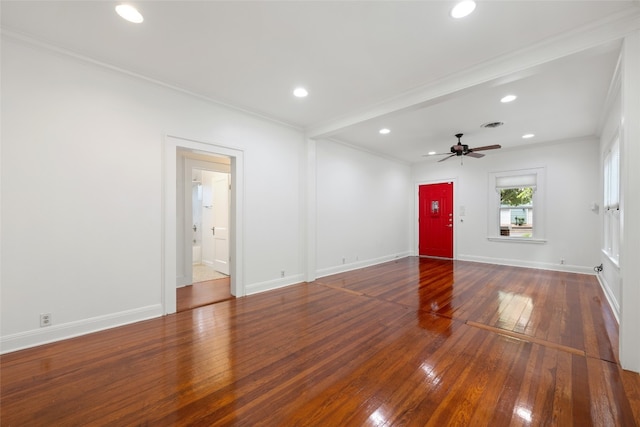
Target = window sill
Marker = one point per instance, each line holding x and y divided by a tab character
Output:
517	240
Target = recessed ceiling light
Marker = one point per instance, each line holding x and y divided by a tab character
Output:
527	136
431	153
508	98
300	92
384	131
129	13
463	9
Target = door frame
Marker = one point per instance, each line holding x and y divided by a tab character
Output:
416	213
171	145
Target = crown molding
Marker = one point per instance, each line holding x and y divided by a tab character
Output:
46	46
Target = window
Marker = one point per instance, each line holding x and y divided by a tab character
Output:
516	213
611	176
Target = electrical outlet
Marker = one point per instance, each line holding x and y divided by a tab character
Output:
344	260
561	260
45	319
281	273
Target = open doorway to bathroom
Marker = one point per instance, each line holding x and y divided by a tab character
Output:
210	218
207	198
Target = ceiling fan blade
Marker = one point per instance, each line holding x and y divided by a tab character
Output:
486	147
448	157
437	154
476	155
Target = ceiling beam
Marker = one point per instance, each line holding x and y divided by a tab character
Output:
500	70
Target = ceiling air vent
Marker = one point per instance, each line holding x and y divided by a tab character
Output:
492	125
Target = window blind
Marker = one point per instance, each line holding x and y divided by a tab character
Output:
516	181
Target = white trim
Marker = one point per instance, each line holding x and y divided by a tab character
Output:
46	45
360	264
614	262
539	204
270	285
611	299
528	264
517	240
630	205
236	264
68	330
311	211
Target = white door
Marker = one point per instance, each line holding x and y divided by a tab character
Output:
208	243
220	227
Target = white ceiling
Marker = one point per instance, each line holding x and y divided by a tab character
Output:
406	66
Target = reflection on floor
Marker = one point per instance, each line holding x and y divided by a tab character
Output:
420	342
202	272
203	293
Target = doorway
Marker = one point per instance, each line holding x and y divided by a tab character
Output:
207	197
175	248
435	220
210	223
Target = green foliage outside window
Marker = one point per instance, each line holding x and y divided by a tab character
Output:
516	196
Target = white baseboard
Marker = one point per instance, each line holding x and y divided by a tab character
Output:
269	285
528	264
359	264
611	299
63	331
255	288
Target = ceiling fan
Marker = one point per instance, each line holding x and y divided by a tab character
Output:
461	149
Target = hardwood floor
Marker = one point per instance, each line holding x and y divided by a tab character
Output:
202	293
419	342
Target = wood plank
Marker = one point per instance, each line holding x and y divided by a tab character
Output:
410	342
527	338
203	293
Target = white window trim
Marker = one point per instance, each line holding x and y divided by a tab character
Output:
539	199
516	239
615	262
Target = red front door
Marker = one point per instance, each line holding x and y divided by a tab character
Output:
436	220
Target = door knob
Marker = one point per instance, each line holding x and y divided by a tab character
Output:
213	230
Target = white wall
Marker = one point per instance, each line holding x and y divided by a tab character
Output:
82	175
82	182
82	150
364	208
572	229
